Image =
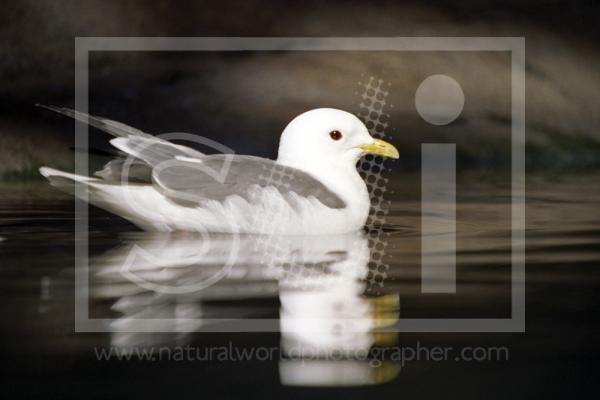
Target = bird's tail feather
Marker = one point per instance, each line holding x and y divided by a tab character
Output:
130	202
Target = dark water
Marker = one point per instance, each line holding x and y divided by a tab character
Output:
330	317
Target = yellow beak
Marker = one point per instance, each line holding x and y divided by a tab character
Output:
380	148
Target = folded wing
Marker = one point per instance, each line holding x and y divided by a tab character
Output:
147	150
219	176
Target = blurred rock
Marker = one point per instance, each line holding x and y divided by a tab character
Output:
244	99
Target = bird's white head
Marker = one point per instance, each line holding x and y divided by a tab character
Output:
328	137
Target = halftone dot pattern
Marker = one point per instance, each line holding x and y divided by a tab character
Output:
290	269
274	247
373	100
270	245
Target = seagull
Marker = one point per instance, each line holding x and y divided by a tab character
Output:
313	188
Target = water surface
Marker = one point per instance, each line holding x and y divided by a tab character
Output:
316	297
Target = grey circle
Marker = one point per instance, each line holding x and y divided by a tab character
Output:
439	99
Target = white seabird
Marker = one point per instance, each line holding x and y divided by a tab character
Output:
312	188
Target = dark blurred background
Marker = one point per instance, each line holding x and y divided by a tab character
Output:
244	99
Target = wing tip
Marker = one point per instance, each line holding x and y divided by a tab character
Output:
121	143
49	107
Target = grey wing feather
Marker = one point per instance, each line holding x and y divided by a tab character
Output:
217	177
115	128
153	150
118	169
149	149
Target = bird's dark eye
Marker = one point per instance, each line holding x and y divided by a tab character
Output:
335	135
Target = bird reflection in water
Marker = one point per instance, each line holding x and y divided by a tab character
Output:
185	283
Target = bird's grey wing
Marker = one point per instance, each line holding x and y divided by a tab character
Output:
148	150
120	169
153	150
145	153
219	176
131	140
115	128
